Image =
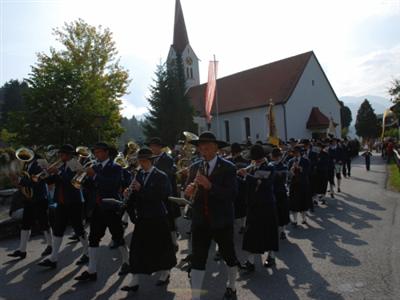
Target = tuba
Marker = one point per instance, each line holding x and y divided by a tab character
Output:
25	155
121	161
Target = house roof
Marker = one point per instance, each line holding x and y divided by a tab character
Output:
254	87
317	119
180	34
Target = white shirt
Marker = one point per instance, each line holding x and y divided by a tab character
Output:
104	162
211	165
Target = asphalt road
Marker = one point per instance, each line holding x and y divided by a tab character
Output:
350	250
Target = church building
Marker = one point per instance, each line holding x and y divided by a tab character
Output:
304	100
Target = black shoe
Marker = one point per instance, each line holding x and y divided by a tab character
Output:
124	269
247	267
127	288
294	224
86	276
304	222
163	282
282	236
270	262
74	238
47	251
18	254
332	196
217	256
229	294
323	201
48	263
338	190
83	260
315	202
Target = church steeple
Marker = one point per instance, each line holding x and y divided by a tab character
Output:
181	39
180	46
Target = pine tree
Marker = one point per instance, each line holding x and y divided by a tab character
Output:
367	122
171	112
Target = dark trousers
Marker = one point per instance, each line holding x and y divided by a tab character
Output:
347	167
68	214
201	241
35	212
101	220
367	162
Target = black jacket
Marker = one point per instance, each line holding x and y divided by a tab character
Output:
150	201
220	197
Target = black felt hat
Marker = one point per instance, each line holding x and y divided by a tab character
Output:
236	148
257	152
155	141
208	137
145	153
101	145
67	149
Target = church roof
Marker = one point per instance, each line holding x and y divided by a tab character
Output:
254	87
180	34
317	119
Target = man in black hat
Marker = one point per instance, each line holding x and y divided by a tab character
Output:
165	163
152	249
35	208
69	205
212	186
106	176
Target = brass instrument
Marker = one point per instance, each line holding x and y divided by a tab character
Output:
44	174
80	176
25	155
131	154
121	161
83	151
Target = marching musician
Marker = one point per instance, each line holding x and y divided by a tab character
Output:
299	194
35	208
151	248
336	153
280	191
241	199
69	205
261	234
322	168
106	177
213	188
165	163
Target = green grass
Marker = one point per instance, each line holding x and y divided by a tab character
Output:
394	176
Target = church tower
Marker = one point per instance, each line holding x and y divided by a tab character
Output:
181	46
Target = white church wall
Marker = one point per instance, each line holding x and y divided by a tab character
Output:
312	90
237	128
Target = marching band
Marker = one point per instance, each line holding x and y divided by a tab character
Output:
262	188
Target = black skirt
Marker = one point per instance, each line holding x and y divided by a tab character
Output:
261	232
282	205
299	196
151	247
321	183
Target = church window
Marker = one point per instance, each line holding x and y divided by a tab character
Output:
187	72
312	82
247	127
227	133
191	73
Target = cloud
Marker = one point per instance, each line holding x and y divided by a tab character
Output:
129	109
372	73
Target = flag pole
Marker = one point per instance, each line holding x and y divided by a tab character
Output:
216	96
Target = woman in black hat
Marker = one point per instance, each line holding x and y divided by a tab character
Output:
261	234
299	190
152	249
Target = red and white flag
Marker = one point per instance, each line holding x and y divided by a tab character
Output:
211	86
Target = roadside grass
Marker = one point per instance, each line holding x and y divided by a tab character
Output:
394	177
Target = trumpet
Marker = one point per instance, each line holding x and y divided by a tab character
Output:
44	174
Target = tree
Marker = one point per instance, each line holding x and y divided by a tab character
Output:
133	131
395	92
367	122
171	112
345	115
12	99
74	92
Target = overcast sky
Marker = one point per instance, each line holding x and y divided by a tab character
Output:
356	41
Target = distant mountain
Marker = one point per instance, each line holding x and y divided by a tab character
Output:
379	104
